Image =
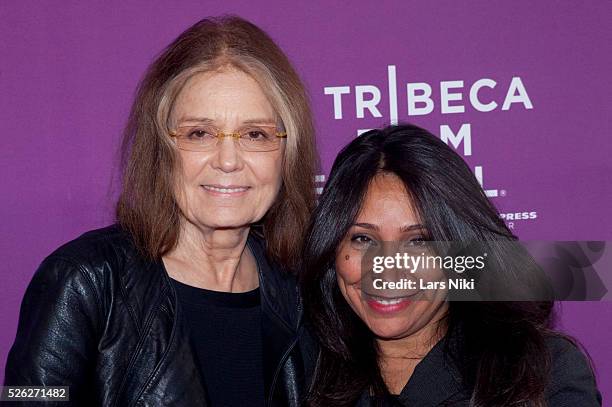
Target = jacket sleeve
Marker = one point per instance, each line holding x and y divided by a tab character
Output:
56	335
572	379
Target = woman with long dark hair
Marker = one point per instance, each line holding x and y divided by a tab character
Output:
402	184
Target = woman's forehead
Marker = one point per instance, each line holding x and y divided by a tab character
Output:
387	202
226	96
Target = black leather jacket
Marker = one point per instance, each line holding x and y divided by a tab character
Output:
100	318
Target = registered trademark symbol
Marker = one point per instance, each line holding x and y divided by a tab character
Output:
502	192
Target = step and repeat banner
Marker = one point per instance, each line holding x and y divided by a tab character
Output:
520	89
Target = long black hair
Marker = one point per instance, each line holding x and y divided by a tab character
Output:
502	352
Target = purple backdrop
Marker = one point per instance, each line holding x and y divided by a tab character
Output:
68	71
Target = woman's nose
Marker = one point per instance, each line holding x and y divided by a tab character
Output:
228	156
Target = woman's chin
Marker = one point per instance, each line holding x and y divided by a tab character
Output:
388	329
224	220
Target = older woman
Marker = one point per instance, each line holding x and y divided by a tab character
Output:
403	187
188	299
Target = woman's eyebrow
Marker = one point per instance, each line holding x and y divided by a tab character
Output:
410	228
367	226
266	121
260	121
407	228
205	120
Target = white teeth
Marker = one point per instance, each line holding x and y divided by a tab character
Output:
389	302
225	190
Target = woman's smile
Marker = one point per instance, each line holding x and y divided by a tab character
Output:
226	190
387	305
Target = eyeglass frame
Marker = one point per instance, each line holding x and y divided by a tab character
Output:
281	134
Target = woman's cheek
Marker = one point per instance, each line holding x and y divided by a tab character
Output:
348	266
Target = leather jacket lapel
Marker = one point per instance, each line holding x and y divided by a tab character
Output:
162	370
278	343
281	314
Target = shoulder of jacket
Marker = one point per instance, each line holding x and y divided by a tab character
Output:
95	243
107	261
103	255
571	368
562	349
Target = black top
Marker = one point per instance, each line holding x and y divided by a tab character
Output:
225	333
436	380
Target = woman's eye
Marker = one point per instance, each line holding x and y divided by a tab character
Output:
256	135
199	133
417	241
362	241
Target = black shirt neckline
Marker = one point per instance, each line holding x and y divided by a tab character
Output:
204	297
